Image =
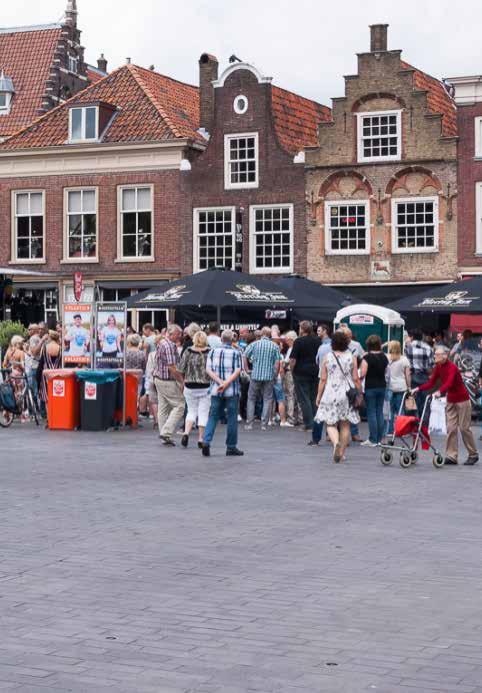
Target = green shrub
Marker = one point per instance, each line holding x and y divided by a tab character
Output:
7	330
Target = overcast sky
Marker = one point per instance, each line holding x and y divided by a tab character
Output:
302	44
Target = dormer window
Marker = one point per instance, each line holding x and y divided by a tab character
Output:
6	94
73	64
84	124
379	136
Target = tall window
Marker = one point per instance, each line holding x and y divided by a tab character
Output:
28	242
379	136
271	238
415	225
136	223
73	64
214	234
347	228
83	124
81	242
241	161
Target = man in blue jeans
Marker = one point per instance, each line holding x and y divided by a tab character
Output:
224	368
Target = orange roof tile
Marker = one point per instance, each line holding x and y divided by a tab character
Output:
26	57
438	99
150	107
296	119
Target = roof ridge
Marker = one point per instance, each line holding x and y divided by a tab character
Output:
61	105
133	70
159	74
29	27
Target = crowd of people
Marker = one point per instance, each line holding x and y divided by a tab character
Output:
310	380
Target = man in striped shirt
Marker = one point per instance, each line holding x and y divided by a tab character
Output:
224	368
265	358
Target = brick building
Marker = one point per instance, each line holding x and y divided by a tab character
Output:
141	178
382	180
468	97
40	67
247	187
95	185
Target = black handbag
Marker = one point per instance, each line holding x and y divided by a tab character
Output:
354	396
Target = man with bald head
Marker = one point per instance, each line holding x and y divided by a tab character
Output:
447	378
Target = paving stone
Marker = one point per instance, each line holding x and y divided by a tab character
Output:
129	568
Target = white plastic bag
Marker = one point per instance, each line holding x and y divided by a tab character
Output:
438	423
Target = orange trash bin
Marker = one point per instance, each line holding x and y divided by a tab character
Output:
63	404
133	378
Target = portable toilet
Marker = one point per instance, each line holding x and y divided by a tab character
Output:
364	319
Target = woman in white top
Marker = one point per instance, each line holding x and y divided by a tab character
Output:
398	379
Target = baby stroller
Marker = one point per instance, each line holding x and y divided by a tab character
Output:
409	431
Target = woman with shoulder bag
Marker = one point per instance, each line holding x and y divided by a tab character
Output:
373	368
196	386
339	394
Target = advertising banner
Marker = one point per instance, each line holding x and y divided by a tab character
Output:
77	340
111	324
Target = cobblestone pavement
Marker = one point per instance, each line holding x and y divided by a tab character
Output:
126	567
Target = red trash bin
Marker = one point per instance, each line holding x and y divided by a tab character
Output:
63	403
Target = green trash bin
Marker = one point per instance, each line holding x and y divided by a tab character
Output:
100	392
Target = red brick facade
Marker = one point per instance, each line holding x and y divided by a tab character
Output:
281	181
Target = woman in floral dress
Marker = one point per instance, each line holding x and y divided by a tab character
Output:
338	373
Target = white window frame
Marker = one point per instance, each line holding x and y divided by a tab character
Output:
73	62
120	256
478	218
373	159
478	137
83	124
227	170
78	260
338	203
400	251
5	110
196	235
26	261
252	237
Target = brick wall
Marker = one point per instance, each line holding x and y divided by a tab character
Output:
280	180
167	201
469	173
427	166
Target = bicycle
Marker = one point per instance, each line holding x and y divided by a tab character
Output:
25	401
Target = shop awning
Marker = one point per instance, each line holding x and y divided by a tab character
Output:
126	284
461	322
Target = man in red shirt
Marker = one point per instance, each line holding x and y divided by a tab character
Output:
446	377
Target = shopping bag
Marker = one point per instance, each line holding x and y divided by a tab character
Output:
438	422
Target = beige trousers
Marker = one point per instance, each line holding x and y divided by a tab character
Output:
170	406
459	417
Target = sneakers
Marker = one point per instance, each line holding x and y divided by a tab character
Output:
368	444
206	450
312	444
470	461
167	441
248	427
263	427
185	440
234	452
286	424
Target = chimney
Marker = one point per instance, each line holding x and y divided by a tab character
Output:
378	38
102	63
208	72
71	13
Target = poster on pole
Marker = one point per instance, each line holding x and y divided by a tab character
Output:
111	325
77	337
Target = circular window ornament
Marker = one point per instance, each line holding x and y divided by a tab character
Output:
240	105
